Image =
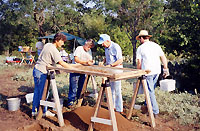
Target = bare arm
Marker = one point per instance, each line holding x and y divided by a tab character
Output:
64	64
165	69
139	66
164	61
118	62
89	62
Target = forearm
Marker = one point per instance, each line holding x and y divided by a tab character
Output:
89	62
164	62
118	62
165	69
64	64
139	66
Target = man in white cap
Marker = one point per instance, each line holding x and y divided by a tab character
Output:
148	57
113	54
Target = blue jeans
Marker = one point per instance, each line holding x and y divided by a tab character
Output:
76	82
39	82
117	95
151	83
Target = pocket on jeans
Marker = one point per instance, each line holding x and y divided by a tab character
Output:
36	73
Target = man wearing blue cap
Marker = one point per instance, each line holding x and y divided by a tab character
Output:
113	54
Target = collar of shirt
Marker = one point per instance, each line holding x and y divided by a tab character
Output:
111	45
146	40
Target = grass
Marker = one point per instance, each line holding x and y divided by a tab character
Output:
184	107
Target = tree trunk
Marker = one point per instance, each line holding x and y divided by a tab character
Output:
39	19
134	52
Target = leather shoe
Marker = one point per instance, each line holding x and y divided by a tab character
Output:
144	109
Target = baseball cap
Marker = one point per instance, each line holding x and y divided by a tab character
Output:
103	37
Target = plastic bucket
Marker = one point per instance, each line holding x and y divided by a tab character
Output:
137	107
29	97
167	84
13	104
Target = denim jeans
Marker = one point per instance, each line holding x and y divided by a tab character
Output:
76	82
151	83
117	95
39	82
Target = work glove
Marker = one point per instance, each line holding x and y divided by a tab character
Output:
165	72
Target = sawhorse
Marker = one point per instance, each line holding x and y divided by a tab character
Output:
51	81
112	121
146	92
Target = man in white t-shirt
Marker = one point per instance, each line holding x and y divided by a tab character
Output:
82	55
148	57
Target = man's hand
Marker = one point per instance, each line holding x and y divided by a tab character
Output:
165	72
108	66
90	62
101	64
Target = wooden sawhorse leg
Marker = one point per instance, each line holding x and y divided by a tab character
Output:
80	100
104	89
147	97
94	84
52	104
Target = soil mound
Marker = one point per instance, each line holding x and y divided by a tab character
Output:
80	118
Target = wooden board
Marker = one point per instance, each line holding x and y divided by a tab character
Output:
113	73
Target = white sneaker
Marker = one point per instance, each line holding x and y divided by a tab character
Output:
49	114
34	113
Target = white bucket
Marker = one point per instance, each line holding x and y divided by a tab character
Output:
29	97
13	104
137	107
167	84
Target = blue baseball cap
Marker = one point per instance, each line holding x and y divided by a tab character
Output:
103	37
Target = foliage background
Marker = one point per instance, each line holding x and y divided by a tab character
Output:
173	24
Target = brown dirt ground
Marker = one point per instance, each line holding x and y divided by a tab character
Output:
76	120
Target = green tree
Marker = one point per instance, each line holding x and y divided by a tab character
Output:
182	38
135	15
183	27
15	24
131	16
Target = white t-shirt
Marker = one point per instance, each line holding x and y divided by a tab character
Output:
49	56
39	45
82	54
149	53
